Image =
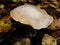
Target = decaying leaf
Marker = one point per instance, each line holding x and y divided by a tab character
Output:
48	40
55	25
5	24
25	41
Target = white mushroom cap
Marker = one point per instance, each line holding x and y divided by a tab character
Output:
31	15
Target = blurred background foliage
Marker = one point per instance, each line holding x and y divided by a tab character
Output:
52	7
11	31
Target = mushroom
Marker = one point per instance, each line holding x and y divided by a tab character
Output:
31	15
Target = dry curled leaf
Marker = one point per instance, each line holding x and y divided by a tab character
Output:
48	40
25	41
55	25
